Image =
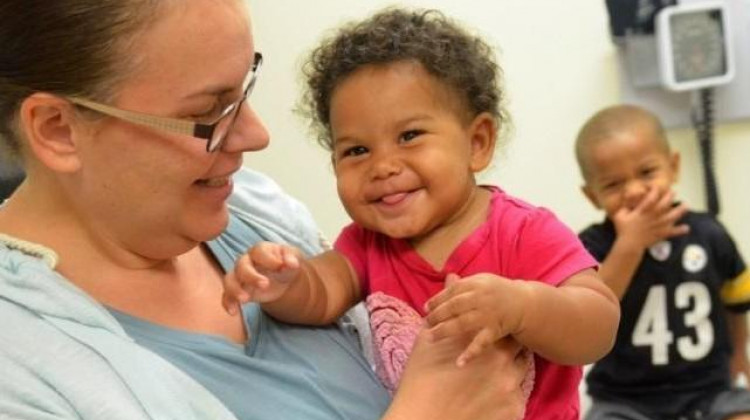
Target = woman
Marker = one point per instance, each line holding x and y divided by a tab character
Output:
130	119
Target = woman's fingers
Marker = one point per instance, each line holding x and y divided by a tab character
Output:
484	338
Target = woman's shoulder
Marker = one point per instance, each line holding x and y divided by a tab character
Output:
33	387
255	191
259	203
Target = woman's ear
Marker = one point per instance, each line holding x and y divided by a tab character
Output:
483	132
48	125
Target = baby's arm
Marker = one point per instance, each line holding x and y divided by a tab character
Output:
291	288
653	220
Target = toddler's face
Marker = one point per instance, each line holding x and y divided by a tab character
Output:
404	158
624	168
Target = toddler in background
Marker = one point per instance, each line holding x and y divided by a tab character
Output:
409	105
682	284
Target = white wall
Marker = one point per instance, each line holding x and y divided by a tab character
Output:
560	67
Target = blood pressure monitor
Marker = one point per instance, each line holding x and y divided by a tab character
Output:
694	45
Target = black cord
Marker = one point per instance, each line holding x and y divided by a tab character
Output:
703	122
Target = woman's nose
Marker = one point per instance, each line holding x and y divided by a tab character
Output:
248	133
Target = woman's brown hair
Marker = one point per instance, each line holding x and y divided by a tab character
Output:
65	47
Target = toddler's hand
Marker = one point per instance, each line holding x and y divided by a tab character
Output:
654	219
263	274
740	369
488	305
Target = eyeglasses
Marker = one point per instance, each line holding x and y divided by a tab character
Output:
214	132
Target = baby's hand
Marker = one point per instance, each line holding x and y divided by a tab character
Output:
654	219
263	274
488	305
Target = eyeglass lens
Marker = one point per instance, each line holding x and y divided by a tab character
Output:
225	125
222	128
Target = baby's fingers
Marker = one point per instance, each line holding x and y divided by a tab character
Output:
234	294
650	201
484	338
290	261
674	215
678	230
247	274
666	199
448	307
452	288
268	256
676	211
456	325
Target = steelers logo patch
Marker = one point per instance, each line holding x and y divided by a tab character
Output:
694	258
661	250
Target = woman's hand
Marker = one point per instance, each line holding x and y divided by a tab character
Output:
488	388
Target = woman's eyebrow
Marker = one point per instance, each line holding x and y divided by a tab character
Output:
215	90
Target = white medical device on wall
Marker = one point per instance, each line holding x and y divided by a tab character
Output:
696	54
694	45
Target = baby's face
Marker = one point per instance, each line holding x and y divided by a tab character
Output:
404	159
623	169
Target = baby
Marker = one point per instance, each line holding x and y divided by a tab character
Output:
408	103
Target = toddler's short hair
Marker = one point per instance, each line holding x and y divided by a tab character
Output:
608	123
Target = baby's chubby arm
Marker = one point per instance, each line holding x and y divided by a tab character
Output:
290	287
572	324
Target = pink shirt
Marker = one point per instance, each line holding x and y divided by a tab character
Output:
518	241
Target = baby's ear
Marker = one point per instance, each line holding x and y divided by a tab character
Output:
674	162
483	132
47	123
589	193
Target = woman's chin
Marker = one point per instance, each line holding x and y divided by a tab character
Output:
209	227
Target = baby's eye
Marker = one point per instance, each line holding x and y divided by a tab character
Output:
648	172
410	135
610	186
354	151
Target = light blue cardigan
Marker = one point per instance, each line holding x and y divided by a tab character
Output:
63	355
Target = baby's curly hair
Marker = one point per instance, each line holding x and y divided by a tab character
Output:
446	51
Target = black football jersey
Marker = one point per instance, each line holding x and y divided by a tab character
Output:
673	337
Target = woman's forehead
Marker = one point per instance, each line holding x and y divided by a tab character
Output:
202	42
